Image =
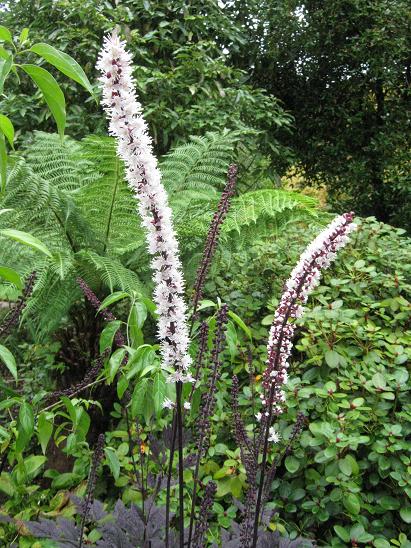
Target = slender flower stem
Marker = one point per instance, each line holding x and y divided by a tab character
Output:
179	387
169	474
305	276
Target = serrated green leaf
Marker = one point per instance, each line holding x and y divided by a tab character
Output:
52	93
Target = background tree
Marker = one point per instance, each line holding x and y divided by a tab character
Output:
183	74
342	69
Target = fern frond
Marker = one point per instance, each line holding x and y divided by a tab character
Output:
109	270
107	202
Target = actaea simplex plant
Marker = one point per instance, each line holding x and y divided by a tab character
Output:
134	147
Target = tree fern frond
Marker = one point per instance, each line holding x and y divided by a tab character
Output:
201	164
107	201
109	270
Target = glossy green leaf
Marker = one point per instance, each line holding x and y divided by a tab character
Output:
240	324
5	67
113	298
115	362
44	431
352	503
64	63
292	464
159	391
11	276
7	128
23	35
5	34
112	461
52	93
33	464
108	334
342	533
3	163
405	514
26	239
8	359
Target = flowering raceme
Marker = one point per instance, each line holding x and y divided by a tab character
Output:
304	278
134	146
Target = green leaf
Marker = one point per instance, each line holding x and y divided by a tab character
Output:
64	63
292	464
65	480
332	358
33	464
44	431
24	35
7	128
11	276
122	386
159	391
113	298
405	514
345	466
7	357
379	381
113	462
342	533
115	362
240	324
52	93
138	398
108	334
352	503
5	35
3	163
141	313
26	239
5	67
25	426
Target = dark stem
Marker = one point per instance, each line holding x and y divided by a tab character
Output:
169	474
179	387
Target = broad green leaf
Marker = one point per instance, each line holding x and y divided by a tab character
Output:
11	276
7	128
26	239
4	53
52	93
23	35
3	163
5	34
25	426
352	503
113	462
240	324
33	464
108	334
65	480
122	386
115	362
141	313
44	431
64	63
405	514
113	298
332	358
7	357
138	397
159	391
5	66
292	464
345	466
134	330
342	533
